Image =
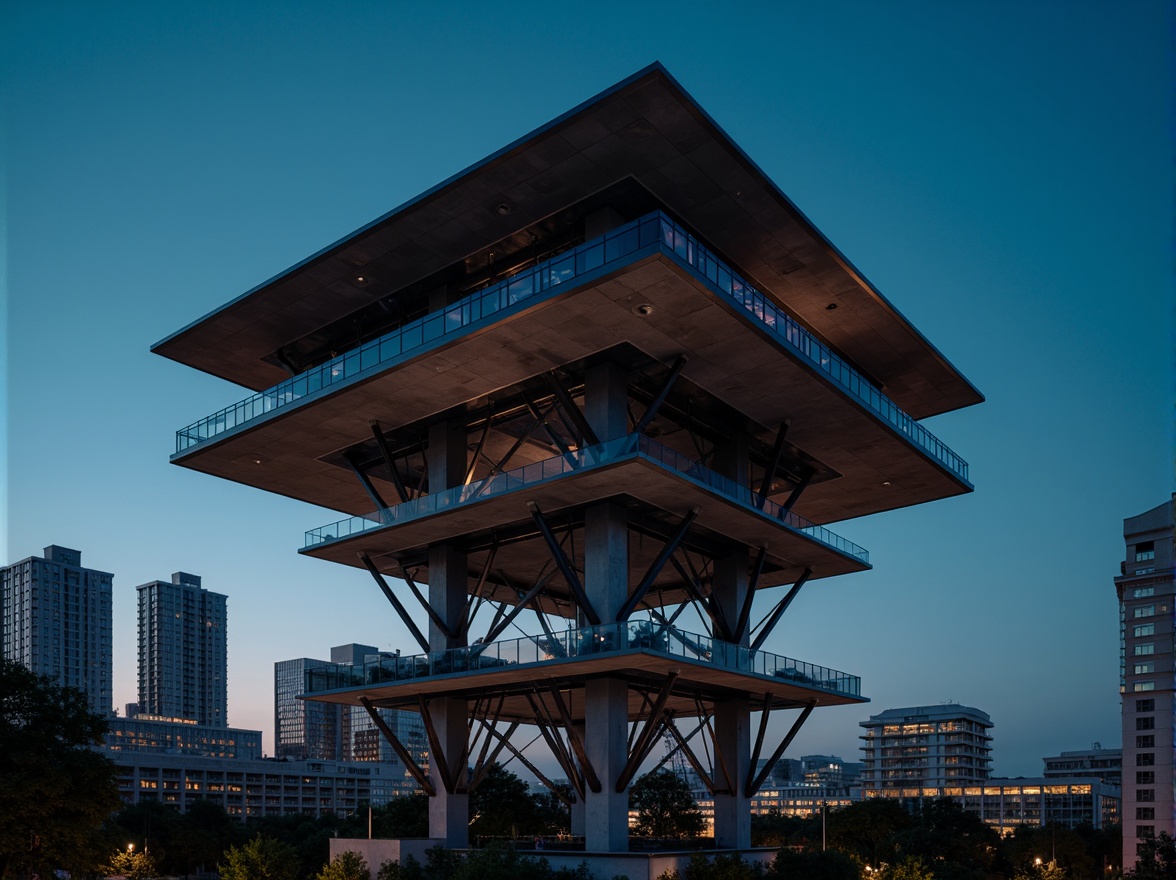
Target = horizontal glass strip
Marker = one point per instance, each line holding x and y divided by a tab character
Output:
610	452
593	641
550	279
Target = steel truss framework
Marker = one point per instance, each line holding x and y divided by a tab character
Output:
549	415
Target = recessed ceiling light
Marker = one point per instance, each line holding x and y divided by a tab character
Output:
643	310
361	279
503	209
830	307
886	483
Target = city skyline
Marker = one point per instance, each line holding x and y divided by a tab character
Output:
169	210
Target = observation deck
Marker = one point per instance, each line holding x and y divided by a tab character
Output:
649	283
632	466
636	651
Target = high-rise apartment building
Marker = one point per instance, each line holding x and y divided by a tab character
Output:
1146	587
57	622
910	749
183	651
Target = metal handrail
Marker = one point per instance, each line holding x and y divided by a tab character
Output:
653	231
609	452
593	641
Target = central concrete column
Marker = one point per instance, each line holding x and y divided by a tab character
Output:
733	716
606	582
449	813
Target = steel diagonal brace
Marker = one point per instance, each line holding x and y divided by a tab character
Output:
797	492
657	565
720	761
683	745
473	607
501	624
481	445
753	785
535	770
433	615
640	748
665	624
365	481
546	727
713	610
773	463
590	777
651	411
759	739
410	764
389	462
567	405
436	753
489	761
391	597
769	623
564	564
752	584
481	766
551	433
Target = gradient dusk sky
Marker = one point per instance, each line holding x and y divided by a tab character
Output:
1001	171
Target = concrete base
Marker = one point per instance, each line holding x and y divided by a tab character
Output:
602	866
376	852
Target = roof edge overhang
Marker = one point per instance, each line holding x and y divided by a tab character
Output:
190	345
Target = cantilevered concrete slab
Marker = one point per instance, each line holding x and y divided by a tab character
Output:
696	680
790	551
645	129
730	357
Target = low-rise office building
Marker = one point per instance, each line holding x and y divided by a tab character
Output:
1006	804
177	736
1095	763
250	789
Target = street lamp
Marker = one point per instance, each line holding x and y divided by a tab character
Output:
130	847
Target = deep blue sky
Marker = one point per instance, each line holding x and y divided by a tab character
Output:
1000	170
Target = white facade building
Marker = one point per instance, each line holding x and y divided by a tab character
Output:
919	747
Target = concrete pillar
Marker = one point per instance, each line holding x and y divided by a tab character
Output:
606	582
733	717
448	581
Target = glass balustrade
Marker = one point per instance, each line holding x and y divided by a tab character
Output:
653	232
631	446
386	668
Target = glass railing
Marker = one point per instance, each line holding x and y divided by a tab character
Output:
610	452
655	232
580	643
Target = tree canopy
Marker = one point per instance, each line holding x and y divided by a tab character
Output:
55	790
665	806
262	858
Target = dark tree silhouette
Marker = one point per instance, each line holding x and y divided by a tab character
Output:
665	806
55	791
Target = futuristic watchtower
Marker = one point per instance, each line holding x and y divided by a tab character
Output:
607	381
